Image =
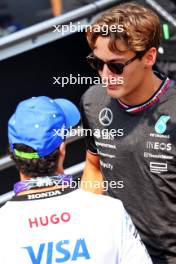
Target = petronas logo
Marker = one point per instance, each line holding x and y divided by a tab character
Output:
161	124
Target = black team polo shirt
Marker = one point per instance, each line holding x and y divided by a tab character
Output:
137	150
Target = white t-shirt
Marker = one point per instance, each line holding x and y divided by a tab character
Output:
77	227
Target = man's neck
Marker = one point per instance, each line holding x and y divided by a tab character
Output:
145	91
24	177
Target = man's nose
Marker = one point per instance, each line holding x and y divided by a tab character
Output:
106	72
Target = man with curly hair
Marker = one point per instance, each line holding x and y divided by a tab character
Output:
136	108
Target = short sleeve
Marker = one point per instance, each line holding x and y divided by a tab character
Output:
89	139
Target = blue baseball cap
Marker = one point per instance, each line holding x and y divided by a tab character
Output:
39	122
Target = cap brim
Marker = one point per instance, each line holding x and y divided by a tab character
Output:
71	112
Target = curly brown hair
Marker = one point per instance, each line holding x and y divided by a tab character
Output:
44	166
141	28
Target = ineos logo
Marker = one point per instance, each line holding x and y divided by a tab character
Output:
105	116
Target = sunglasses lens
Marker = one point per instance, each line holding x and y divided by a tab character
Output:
98	65
95	63
116	67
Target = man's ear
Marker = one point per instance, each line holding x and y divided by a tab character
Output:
62	149
150	57
60	168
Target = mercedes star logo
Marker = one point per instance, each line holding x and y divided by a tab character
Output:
105	116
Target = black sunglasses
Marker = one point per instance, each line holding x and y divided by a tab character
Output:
98	64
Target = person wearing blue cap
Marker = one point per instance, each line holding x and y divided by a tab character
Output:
49	220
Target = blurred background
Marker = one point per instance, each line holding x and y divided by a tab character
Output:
31	54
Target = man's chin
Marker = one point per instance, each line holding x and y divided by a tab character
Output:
115	91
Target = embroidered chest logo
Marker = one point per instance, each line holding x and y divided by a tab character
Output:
161	124
105	116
